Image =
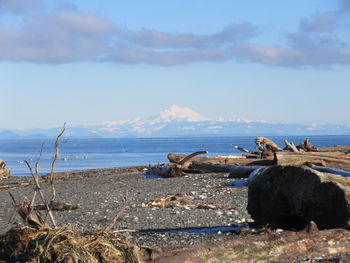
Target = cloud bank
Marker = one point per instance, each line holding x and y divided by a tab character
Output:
66	35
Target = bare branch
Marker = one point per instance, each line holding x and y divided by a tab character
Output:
36	175
42	197
116	218
244	150
53	190
189	157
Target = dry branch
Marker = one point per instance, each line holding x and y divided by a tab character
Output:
41	194
244	150
53	190
189	157
290	146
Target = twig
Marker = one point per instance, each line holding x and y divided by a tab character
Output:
36	175
53	190
244	150
115	219
125	230
13	215
36	181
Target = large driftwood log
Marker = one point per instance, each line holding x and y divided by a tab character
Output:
331	170
338	160
236	171
176	169
291	196
258	248
234	160
336	148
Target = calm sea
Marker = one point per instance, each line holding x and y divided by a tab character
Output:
78	154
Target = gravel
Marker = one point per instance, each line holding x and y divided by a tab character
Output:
102	193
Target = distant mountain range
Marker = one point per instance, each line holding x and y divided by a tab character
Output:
179	121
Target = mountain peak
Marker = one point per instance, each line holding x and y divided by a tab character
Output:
177	113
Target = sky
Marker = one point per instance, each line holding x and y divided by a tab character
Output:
87	61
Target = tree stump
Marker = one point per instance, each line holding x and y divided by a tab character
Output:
289	197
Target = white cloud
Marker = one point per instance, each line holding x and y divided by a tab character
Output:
66	35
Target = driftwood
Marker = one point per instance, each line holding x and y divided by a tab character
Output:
28	215
166	170
337	160
56	206
4	172
331	170
266	247
290	146
15	185
176	169
245	150
336	148
266	144
289	197
236	171
307	146
235	160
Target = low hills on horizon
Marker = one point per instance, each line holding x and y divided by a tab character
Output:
178	121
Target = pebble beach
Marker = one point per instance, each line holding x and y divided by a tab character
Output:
152	212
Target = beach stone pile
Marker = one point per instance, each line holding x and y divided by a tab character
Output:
4	172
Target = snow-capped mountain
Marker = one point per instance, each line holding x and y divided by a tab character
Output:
180	121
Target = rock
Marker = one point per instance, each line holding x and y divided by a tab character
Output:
289	197
4	172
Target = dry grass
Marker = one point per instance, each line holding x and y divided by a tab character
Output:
65	244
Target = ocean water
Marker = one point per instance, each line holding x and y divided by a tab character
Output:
76	154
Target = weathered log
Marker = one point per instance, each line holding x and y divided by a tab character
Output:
331	170
166	170
307	146
336	148
260	248
290	146
338	160
291	196
266	144
236	171
175	158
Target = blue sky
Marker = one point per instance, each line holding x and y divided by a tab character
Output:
86	62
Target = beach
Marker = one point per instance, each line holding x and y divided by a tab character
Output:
203	202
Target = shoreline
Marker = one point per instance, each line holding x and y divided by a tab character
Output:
100	194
